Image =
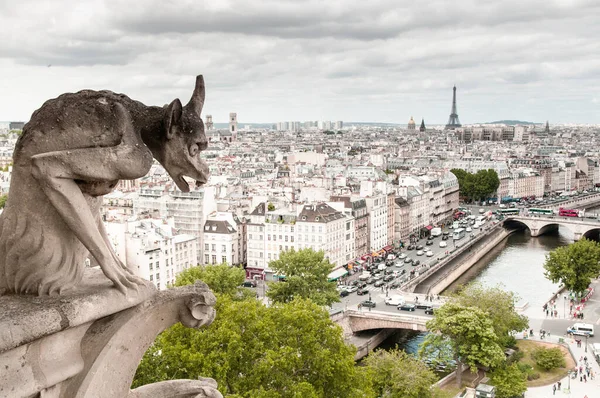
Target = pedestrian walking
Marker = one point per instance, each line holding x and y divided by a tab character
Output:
553	389
584	379
558	385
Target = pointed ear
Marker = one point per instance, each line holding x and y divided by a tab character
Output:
172	118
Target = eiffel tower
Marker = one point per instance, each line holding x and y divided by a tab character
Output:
453	122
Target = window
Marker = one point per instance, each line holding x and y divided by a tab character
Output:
292	228
214	247
223	248
206	246
269	237
157	265
214	259
286	238
158	286
206	258
261	254
151	278
292	238
223	259
157	276
320	229
150	267
249	236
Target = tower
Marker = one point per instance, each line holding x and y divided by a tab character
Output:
233	123
411	124
547	127
422	128
453	121
209	122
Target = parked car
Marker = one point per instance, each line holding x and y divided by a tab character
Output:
429	311
443	243
368	303
420	253
362	291
406	307
429	253
249	284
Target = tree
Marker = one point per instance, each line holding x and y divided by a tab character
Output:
498	304
469	334
510	382
395	374
3	200
549	358
305	274
477	186
271	206
283	351
222	279
574	265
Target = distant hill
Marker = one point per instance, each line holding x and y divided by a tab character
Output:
512	122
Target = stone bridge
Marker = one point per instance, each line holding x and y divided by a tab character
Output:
581	227
353	321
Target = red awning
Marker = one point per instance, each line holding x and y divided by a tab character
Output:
387	248
429	227
365	257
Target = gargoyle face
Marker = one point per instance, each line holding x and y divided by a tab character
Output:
185	140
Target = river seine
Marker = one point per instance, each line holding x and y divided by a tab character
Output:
517	265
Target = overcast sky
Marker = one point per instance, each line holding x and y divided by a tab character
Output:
276	60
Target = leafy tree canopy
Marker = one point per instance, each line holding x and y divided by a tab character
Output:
469	333
395	374
574	265
271	207
477	186
510	382
306	274
222	279
284	351
498	304
3	199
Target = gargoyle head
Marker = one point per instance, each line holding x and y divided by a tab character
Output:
184	130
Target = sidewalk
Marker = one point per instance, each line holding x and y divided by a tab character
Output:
579	389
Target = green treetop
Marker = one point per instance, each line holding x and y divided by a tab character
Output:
468	332
305	274
574	265
500	307
222	279
478	186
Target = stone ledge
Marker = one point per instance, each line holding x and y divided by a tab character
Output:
24	319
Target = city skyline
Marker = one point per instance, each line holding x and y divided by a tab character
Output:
381	61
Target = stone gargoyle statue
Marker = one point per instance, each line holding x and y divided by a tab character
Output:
75	149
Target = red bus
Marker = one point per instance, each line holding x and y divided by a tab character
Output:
568	212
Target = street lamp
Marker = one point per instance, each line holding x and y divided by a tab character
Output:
586	337
565	306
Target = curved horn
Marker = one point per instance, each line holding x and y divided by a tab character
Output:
197	100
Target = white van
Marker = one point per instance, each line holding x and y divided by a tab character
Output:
582	329
394	300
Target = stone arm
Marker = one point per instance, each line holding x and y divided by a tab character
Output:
203	388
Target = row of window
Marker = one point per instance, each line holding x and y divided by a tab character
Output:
208	257
214	247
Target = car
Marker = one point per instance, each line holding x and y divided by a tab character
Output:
399	264
481	211
502	206
344	293
396	284
402	256
429	311
419	247
378	277
429	253
410	247
443	244
362	291
370	281
368	303
388	271
408	260
388	278
429	243
445	237
416	262
394	300
355	282
406	307
351	288
379	283
469	229
249	284
420	253
422	305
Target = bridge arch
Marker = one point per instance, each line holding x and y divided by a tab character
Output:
539	226
365	320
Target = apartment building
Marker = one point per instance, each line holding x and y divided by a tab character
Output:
377	207
358	209
223	239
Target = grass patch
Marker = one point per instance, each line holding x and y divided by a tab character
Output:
546	377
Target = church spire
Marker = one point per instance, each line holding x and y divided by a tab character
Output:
422	128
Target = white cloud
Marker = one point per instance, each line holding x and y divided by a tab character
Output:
377	60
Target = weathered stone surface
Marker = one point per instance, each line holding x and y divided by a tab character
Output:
24	319
96	349
203	388
75	149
